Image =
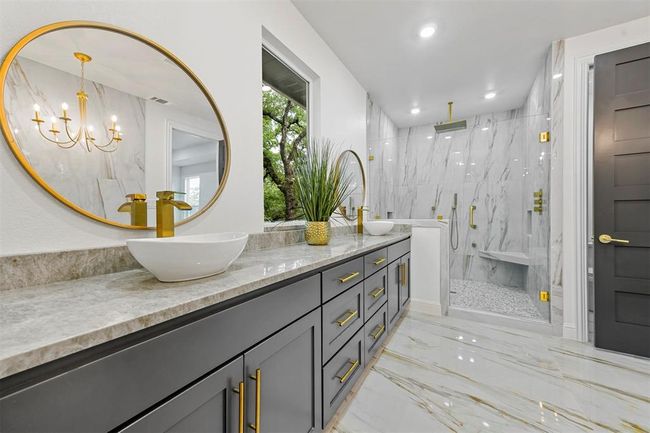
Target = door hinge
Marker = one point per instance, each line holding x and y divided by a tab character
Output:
544	296
544	137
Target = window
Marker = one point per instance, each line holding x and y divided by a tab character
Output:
193	191
285	134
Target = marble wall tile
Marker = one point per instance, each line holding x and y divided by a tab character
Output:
381	136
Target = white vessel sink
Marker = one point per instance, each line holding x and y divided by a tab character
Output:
185	258
378	228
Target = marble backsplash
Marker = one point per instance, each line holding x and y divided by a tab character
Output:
42	268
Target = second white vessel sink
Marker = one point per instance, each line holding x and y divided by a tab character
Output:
185	258
378	228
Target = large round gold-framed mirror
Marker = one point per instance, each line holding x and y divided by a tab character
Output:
357	198
99	116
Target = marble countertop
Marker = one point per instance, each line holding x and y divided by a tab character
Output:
42	323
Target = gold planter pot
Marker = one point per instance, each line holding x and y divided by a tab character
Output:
317	232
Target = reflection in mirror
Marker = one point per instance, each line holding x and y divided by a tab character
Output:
99	114
357	197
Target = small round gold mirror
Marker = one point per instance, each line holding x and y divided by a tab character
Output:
103	118
357	197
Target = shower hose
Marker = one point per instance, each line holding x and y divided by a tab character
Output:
453	230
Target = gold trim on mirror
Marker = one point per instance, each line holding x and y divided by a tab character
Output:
11	141
343	211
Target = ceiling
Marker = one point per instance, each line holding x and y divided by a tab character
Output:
478	46
122	63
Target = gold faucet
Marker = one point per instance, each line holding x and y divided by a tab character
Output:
165	212
360	210
137	206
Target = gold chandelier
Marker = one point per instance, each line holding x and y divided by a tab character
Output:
84	134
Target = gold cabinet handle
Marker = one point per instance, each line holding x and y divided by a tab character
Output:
402	274
379	261
472	209
377	292
605	239
349	277
346	376
378	331
242	403
258	397
348	316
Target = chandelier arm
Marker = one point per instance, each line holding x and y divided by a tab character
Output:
67	132
58	143
105	145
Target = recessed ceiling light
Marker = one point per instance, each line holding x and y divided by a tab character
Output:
558	75
447	137
490	95
429	137
415	110
266	88
427	32
485	128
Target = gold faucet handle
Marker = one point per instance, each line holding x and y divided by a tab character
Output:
137	196
167	195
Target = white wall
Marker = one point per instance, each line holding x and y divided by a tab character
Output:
221	41
578	52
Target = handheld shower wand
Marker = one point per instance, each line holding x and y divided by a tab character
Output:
453	224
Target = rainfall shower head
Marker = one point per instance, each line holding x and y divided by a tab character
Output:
450	125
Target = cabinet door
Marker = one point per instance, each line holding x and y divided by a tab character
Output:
283	391
213	405
394	305
405	280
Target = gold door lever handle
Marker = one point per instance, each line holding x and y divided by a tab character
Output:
605	239
348	277
348	316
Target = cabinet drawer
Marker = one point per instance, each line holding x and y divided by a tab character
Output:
375	290
375	261
340	374
210	405
342	317
375	331
342	277
397	250
104	393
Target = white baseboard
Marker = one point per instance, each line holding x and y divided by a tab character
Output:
570	331
426	307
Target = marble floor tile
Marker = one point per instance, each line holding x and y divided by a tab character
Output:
443	374
483	296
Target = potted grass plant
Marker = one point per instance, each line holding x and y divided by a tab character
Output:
321	187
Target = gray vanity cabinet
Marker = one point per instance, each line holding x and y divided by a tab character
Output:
399	287
210	406
283	391
394	305
405	280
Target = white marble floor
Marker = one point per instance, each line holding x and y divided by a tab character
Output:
451	375
483	296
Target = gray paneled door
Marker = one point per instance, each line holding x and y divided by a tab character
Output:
622	200
283	374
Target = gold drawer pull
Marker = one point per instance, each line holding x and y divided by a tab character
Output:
377	292
379	261
378	331
258	397
348	373
402	274
242	400
348	316
349	277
